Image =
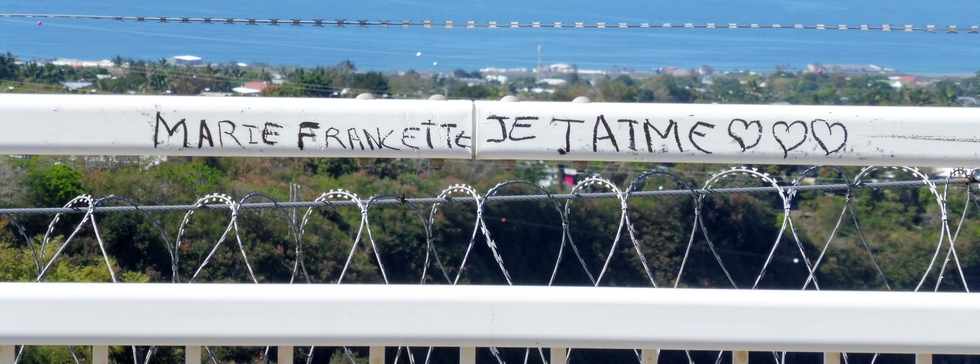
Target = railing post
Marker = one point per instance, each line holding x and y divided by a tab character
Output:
649	356
284	355
192	355
376	355
923	358
559	355
100	355
7	354
467	355
740	357
831	358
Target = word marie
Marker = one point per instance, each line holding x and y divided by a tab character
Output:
308	135
603	134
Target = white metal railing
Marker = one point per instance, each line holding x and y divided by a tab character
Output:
376	316
238	126
468	317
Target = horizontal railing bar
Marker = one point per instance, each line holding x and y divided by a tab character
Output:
387	201
488	130
501	316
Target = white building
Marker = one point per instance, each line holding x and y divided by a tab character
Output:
78	63
498	78
553	81
188	60
76	85
562	68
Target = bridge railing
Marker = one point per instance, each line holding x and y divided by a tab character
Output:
553	318
487	130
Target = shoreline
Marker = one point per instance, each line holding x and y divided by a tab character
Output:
855	69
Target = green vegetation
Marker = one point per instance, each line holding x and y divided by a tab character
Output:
901	225
344	80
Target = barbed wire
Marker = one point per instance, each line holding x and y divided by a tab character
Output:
729	181
401	200
474	24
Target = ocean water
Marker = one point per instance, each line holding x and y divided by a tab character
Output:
443	50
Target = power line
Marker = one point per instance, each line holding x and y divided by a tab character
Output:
473	24
498	198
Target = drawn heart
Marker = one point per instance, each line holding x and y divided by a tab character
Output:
824	139
739	132
786	134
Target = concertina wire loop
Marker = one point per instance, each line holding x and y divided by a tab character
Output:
946	236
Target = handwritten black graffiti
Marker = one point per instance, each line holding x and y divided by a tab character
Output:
694	131
204	133
784	135
824	139
428	135
608	134
306	129
251	133
740	131
632	132
602	132
568	133
628	134
269	133
230	133
506	135
672	125
170	130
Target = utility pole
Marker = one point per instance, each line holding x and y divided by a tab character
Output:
537	69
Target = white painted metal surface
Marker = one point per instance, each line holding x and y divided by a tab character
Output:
467	355
469	316
7	354
255	126
649	356
740	357
831	358
100	354
284	355
376	355
192	354
227	126
923	358
776	134
559	355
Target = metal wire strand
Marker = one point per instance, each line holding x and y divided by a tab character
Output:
91	207
396	201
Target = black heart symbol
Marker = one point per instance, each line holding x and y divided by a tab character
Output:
745	127
830	131
786	128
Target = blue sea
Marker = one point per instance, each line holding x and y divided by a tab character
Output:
443	50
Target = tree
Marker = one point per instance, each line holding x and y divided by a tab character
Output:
8	67
620	89
373	82
474	92
50	185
